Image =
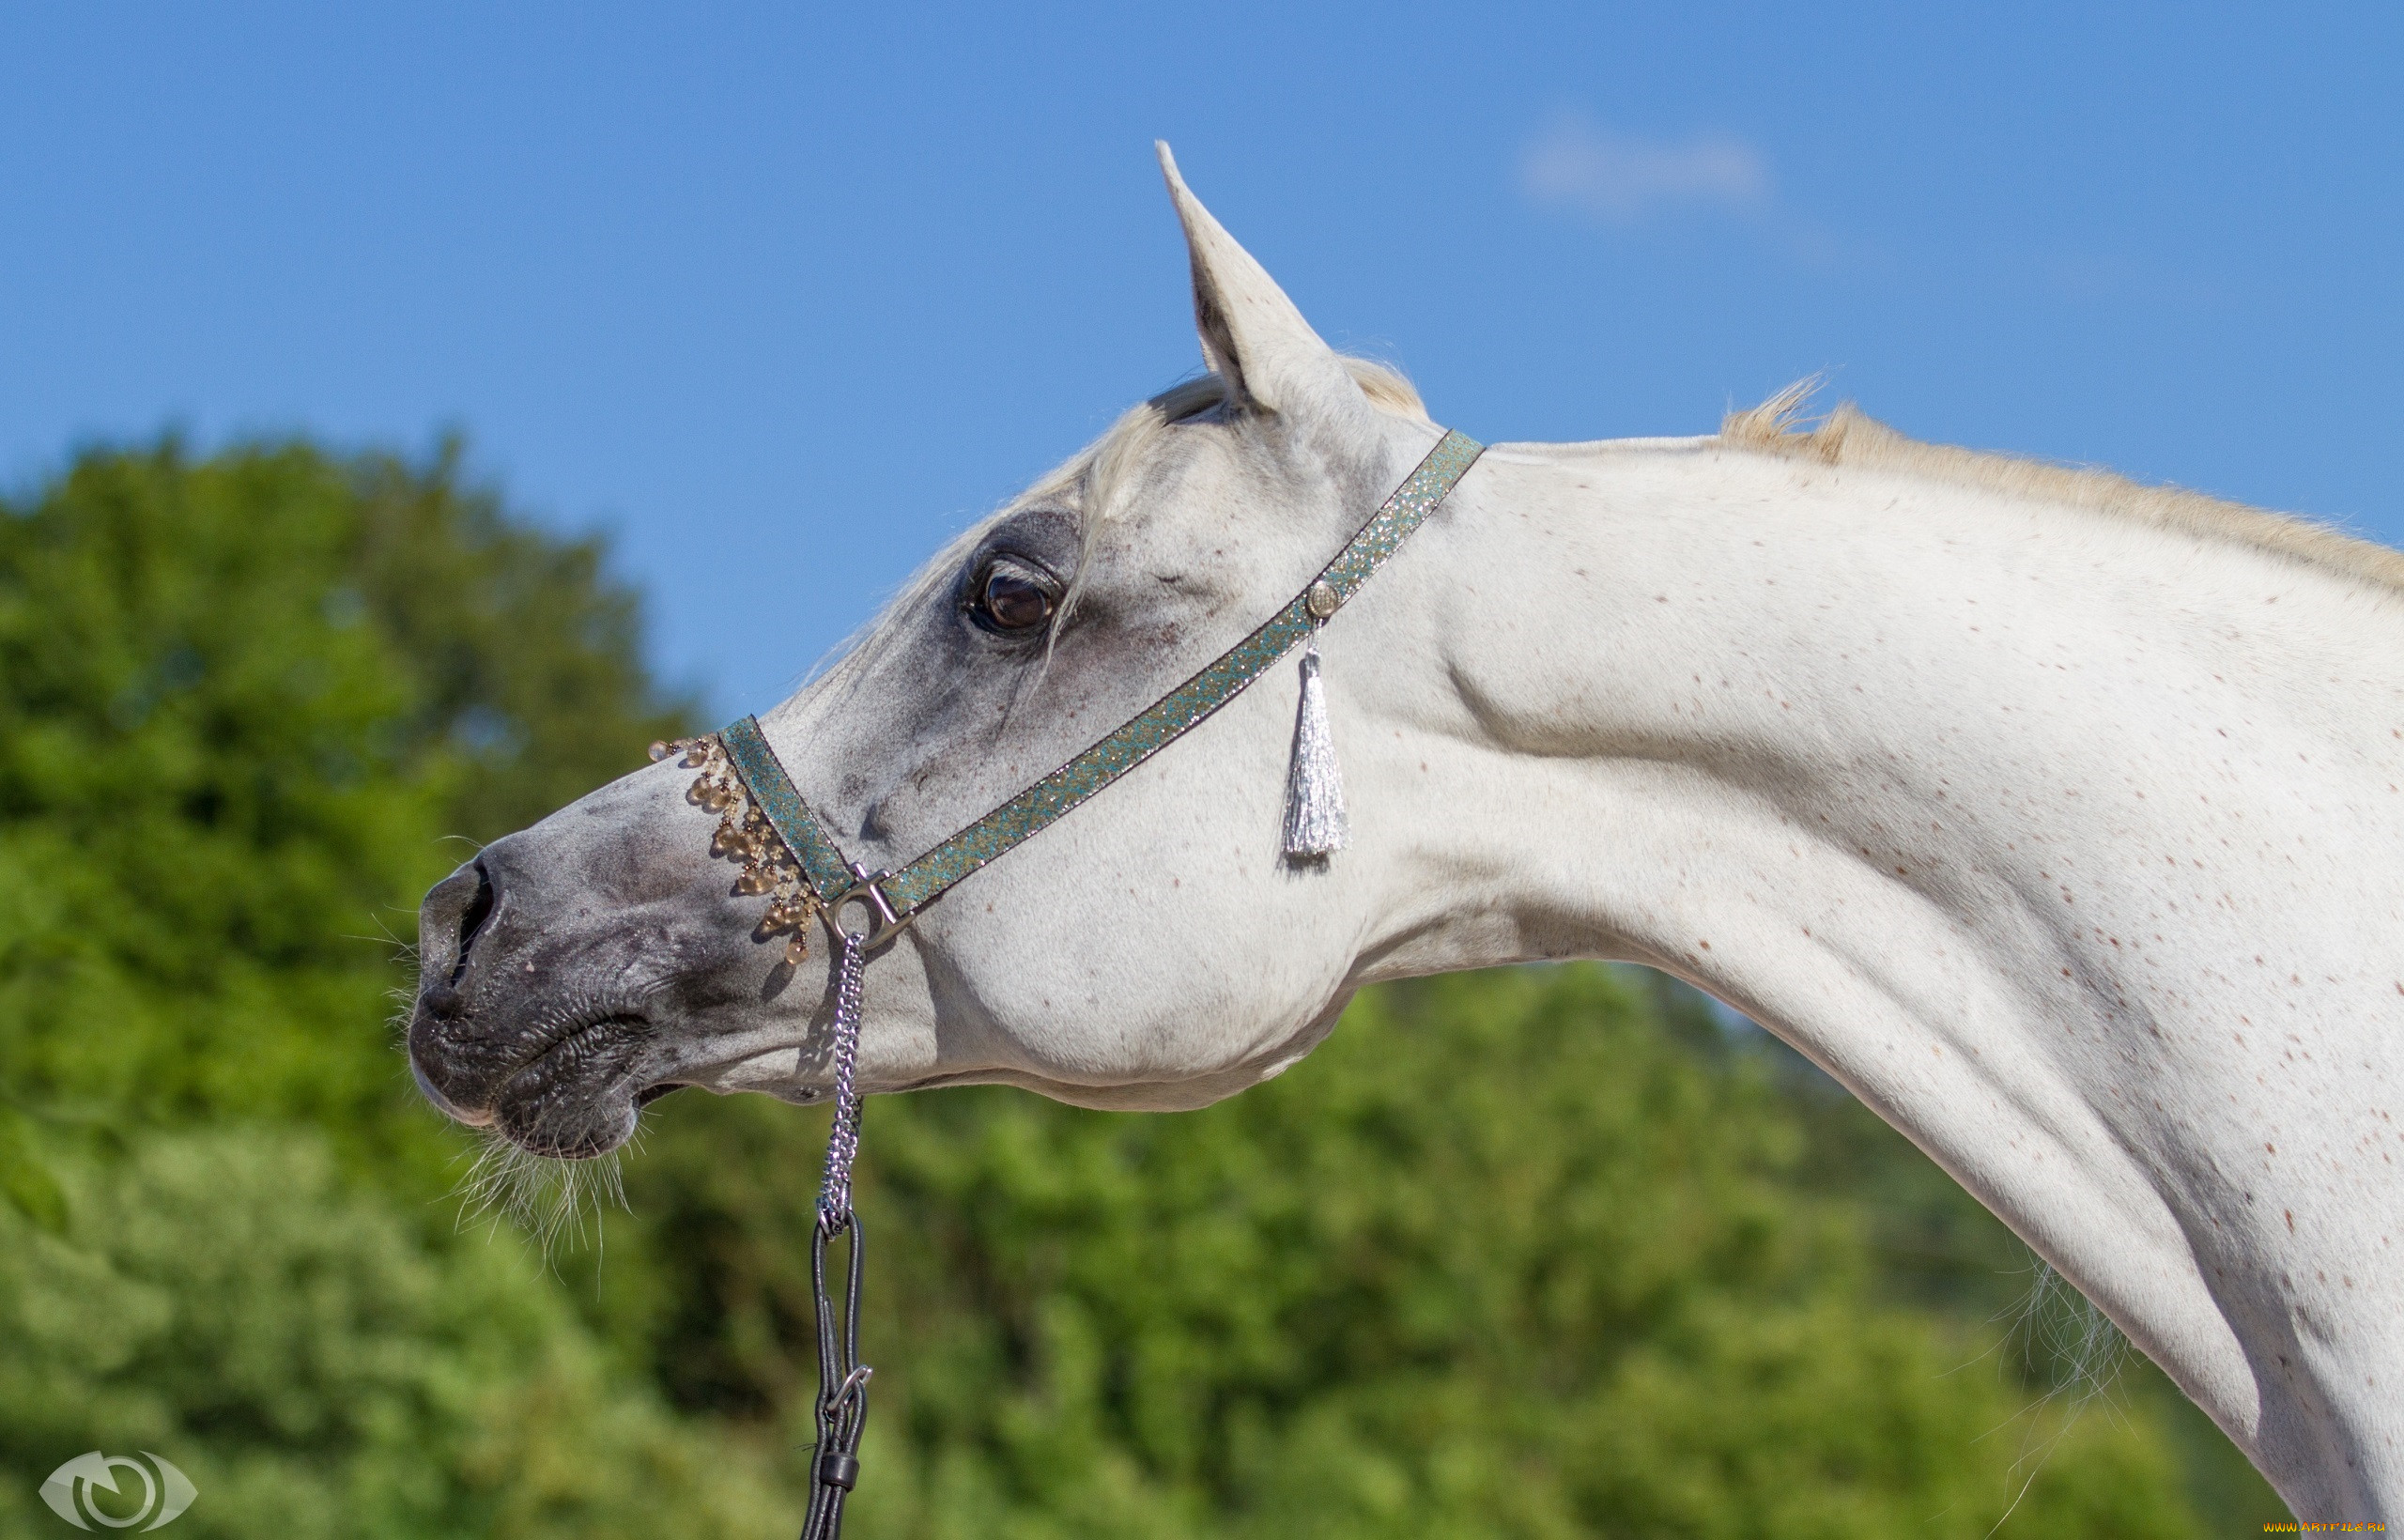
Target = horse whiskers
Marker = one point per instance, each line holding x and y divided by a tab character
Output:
403	997
404	1008
544	1196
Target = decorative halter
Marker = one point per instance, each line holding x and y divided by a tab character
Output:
786	853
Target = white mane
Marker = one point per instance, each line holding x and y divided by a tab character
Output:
1849	437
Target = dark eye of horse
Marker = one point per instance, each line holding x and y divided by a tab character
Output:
1010	602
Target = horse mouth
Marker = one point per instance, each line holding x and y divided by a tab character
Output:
577	1098
586	1041
572	1094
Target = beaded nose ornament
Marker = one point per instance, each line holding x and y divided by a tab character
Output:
744	835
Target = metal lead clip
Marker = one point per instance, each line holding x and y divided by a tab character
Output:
883	923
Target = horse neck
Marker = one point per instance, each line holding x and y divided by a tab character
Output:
2070	844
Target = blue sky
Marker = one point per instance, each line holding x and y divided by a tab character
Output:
784	295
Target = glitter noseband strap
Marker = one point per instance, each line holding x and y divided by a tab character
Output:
892	899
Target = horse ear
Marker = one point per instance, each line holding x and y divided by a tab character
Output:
1252	335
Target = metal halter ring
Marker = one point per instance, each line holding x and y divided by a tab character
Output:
883	923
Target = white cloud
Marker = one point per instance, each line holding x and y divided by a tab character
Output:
1579	165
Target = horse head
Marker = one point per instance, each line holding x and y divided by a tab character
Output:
1153	951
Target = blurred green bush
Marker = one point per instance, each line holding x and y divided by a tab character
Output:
1535	1253
222	1297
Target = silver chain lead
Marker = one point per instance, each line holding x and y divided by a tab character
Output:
842	1378
843	1140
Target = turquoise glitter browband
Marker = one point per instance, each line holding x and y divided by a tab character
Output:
824	881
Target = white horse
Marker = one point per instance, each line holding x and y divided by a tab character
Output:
2060	819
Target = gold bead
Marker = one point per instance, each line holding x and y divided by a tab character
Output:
798	948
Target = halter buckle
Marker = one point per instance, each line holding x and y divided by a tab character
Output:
884	922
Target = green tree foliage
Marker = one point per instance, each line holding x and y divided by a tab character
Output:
522	658
241	701
1538	1252
317	1370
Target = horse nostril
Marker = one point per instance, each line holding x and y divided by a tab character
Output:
470	922
443	1003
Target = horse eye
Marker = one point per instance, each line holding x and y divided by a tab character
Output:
1010	602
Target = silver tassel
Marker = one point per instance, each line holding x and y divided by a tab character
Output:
1315	821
